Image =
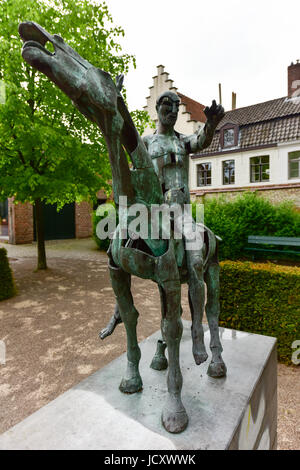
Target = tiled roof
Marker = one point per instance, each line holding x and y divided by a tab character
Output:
262	124
273	109
193	107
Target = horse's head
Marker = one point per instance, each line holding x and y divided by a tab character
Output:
91	89
97	97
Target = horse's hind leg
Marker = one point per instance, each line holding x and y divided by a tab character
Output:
217	367
120	280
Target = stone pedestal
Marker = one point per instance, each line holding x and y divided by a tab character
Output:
235	412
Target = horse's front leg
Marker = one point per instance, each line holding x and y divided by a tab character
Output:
196	301
174	416
120	280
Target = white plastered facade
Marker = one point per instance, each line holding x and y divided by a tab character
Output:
279	164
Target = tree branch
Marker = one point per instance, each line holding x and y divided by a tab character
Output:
19	151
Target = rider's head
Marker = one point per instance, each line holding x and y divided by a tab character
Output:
167	106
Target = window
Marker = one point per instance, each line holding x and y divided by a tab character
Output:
204	174
228	172
294	164
259	169
228	137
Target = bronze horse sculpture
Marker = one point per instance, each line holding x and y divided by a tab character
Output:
99	99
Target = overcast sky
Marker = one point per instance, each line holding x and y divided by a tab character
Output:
244	45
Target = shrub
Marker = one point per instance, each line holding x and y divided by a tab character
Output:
248	214
7	285
262	298
102	244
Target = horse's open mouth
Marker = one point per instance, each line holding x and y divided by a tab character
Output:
32	43
36	37
33	35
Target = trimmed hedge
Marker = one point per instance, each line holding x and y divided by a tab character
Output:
262	298
7	285
249	214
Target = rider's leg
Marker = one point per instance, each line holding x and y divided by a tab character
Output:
116	317
113	322
120	280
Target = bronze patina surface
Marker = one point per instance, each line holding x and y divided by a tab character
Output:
159	174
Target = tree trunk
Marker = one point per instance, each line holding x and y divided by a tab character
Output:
40	235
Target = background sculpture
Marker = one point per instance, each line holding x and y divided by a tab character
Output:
159	174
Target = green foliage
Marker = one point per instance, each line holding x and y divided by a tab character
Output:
263	299
248	214
48	150
141	120
7	285
103	244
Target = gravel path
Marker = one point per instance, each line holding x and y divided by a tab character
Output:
51	332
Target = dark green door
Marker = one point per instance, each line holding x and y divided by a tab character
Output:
58	225
4	218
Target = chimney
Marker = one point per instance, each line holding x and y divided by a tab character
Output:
294	80
233	99
220	93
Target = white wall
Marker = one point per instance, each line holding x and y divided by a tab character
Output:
161	83
278	167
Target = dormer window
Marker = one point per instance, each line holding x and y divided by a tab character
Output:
229	136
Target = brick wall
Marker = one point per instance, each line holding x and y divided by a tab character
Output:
273	195
20	223
83	220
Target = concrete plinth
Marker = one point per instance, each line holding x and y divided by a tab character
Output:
235	412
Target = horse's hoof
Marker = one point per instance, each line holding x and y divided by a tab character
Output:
133	385
159	363
200	357
174	421
216	369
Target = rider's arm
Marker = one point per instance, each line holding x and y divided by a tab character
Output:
203	137
200	140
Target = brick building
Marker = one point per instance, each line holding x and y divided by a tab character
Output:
73	221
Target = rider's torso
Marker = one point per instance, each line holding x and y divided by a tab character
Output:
170	161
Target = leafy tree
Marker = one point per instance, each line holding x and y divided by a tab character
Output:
48	150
